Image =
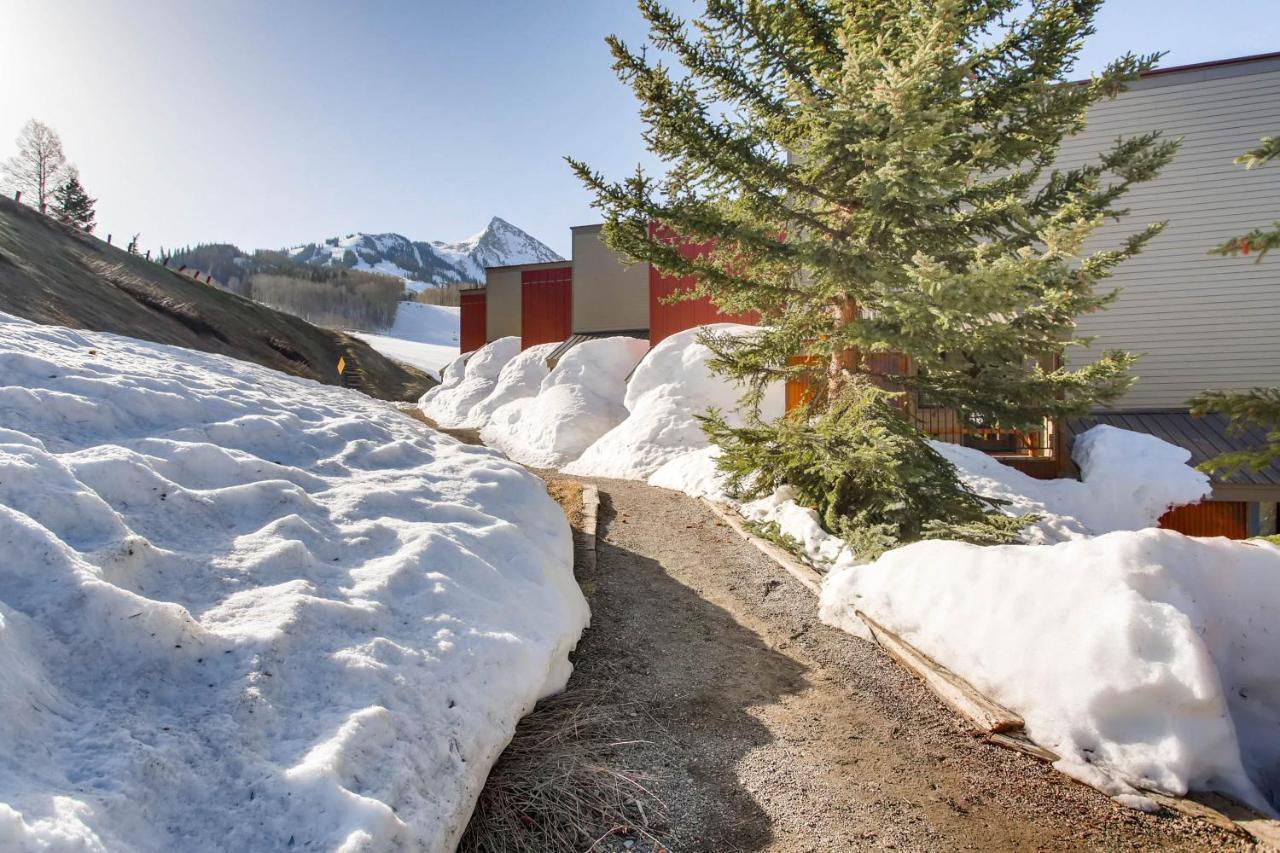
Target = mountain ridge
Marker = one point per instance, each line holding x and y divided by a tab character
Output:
419	264
423	264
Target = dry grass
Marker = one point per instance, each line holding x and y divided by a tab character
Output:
562	783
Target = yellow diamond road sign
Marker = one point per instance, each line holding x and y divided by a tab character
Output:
342	364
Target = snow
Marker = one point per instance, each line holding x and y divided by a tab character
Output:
449	403
521	377
1145	659
695	473
669	387
800	524
579	401
1129	480
245	611
424	336
425	357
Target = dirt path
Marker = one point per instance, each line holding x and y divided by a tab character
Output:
767	730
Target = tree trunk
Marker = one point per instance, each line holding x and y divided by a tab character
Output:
843	362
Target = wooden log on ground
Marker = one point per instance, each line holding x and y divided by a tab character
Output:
985	716
590	521
807	575
1019	742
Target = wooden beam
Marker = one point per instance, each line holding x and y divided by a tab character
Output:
807	575
984	715
590	521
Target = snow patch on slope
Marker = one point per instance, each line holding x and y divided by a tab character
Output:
241	610
425	336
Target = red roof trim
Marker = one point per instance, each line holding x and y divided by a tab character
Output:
1200	66
1212	63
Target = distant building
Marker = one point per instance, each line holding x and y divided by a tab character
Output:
594	294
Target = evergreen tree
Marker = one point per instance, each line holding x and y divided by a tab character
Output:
876	176
1258	406
870	475
72	204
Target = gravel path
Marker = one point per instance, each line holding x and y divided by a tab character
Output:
767	730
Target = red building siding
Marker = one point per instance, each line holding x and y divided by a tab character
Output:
546	306
472	324
1209	518
665	319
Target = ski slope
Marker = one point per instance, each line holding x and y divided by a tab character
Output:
424	336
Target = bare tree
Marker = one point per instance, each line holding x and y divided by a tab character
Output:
39	167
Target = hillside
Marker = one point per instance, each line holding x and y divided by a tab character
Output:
53	274
418	263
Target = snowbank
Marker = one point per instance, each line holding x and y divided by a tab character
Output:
670	386
1128	480
448	403
521	377
244	611
694	473
1145	659
579	401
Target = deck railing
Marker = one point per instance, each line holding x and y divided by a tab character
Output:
948	425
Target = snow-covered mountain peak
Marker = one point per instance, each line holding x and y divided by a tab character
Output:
423	264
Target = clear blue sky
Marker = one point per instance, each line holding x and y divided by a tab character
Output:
274	123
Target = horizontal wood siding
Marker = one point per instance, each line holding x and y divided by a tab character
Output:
1199	321
666	319
546	305
1209	518
471	332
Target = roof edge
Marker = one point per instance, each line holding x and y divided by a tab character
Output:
1200	66
533	266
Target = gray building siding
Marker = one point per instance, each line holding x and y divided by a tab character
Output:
502	303
608	295
1199	321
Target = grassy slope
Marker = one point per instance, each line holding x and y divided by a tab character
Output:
53	274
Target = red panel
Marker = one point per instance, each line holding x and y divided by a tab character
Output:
665	319
472	325
1209	518
546	306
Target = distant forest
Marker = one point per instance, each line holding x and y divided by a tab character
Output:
333	296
